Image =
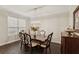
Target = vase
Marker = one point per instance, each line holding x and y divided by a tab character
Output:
35	35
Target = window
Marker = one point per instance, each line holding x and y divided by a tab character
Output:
22	24
15	25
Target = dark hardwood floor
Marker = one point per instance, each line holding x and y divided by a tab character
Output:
14	48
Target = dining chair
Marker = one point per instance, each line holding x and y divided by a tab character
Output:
29	42
21	36
47	43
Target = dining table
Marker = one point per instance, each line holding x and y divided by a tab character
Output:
39	38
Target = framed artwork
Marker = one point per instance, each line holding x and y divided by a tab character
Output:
76	19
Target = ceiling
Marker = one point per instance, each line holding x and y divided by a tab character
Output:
36	10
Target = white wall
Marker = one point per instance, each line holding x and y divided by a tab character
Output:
3	27
54	23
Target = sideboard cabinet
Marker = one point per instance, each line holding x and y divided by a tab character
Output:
69	44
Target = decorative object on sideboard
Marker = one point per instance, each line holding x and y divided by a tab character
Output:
69	30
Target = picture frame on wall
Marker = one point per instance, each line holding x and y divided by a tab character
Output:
76	19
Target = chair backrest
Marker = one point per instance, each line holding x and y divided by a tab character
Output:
27	38
21	36
49	38
42	32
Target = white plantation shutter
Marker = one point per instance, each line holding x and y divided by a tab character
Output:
15	25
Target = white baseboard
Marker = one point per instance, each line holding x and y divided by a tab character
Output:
59	42
9	42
